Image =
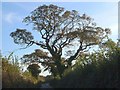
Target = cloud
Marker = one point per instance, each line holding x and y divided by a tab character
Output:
11	17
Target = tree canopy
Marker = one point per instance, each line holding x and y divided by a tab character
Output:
59	29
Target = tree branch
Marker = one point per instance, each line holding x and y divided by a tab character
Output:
75	55
39	44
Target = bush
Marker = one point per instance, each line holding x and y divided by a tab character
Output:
102	72
34	69
11	77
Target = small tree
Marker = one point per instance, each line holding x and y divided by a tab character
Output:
34	69
60	29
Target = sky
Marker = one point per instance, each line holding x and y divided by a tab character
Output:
105	14
119	20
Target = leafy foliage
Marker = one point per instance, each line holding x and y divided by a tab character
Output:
21	36
13	77
34	69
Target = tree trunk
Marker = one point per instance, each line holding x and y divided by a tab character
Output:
60	67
